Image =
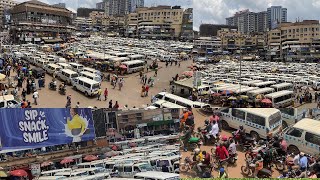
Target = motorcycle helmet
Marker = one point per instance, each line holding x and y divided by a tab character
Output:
221	170
241	127
259	157
261	142
197	150
206	122
224	138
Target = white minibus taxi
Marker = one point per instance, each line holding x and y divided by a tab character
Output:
281	99
282	86
51	68
87	86
76	67
166	104
179	100
41	63
253	94
91	70
156	175
67	75
134	66
258	122
290	115
91	76
304	136
53	172
64	65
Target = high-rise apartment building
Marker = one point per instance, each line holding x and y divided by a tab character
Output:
100	5
276	15
120	7
5	6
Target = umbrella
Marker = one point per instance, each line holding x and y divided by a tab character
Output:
2	77
232	98
90	158
66	161
3	174
123	66
19	173
259	96
111	153
266	101
46	163
227	92
216	94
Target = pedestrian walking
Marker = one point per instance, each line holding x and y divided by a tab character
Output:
35	97
156	72
121	81
142	91
146	90
24	93
99	94
116	105
105	94
110	104
68	105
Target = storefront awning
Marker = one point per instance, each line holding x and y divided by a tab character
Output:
158	123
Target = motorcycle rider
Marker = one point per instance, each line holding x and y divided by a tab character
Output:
221	152
232	148
258	165
187	136
303	162
242	133
53	83
198	159
222	173
205	161
214	130
208	128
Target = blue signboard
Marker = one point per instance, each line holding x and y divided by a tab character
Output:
34	128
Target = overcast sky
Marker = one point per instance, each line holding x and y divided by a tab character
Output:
215	11
74	4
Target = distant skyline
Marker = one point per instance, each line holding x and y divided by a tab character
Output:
216	11
74	4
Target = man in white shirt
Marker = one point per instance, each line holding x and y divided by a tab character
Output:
215	129
35	97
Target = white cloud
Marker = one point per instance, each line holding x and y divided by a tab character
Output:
215	11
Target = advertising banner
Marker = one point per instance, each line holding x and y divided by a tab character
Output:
41	127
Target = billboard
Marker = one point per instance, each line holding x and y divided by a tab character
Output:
41	127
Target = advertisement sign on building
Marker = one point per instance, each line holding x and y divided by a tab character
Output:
41	127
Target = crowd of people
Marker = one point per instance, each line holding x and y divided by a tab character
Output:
261	156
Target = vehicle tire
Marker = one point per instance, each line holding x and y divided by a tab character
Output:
279	166
248	157
245	170
255	135
86	94
232	160
225	125
183	167
216	164
293	149
284	125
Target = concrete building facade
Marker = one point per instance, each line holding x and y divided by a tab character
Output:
276	15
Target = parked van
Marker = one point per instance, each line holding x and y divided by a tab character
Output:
87	86
53	172
168	162
156	175
51	68
67	75
64	65
166	104
304	136
290	116
258	122
91	70
281	99
91	76
76	67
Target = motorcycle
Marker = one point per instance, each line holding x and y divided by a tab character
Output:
249	168
52	86
188	165
232	158
62	91
193	142
252	153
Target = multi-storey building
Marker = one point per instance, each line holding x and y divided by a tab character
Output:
187	25
85	12
62	5
34	21
160	22
120	7
208	30
101	5
5	6
276	15
208	45
298	40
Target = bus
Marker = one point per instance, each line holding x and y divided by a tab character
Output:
281	99
166	104
134	66
263	84
249	83
179	100
258	122
136	57
114	60
253	94
282	86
